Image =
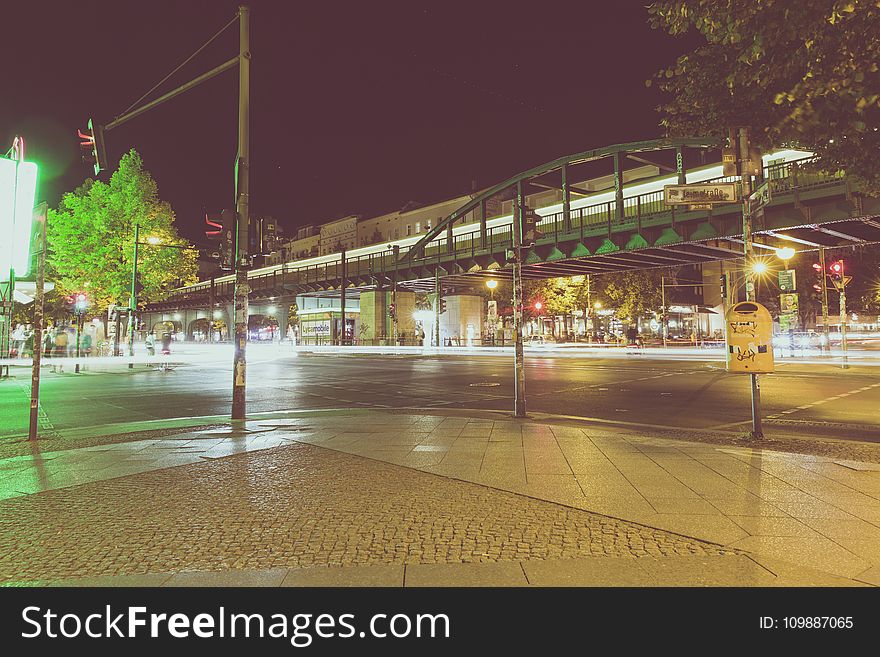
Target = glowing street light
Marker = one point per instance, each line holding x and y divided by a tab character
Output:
492	284
152	239
18	188
785	253
759	267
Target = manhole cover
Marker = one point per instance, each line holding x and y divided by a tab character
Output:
484	384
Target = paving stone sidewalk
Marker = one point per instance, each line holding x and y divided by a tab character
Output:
323	499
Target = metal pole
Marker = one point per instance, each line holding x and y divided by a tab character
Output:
239	363
395	253
663	318
211	318
132	301
746	178
588	318
438	291
78	325
40	218
9	309
519	400
843	317
342	340
827	345
171	94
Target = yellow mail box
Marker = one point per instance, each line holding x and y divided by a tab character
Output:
749	338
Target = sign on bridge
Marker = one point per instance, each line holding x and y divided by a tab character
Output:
701	194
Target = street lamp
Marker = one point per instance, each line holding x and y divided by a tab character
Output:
785	254
759	267
492	284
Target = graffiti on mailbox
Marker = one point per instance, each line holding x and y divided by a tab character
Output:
748	354
743	328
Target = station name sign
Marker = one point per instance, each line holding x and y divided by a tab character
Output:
701	194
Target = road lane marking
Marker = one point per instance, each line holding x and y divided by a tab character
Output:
818	402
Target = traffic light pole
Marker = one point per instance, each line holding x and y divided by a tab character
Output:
243	61
78	329
239	362
843	317
40	218
519	400
663	319
132	301
344	275
827	345
742	140
437	291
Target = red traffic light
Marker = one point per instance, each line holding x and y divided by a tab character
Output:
817	267
215	228
837	267
538	305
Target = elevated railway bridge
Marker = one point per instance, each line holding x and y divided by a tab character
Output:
625	227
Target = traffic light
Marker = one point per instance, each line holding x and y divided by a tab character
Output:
819	285
391	310
214	234
836	270
538	306
92	145
530	232
442	306
81	302
227	239
213	227
269	235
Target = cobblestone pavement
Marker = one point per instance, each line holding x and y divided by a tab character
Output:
298	506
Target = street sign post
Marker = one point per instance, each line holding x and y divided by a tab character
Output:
760	197
787	280
701	194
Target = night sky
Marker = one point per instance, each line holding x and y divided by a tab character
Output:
356	107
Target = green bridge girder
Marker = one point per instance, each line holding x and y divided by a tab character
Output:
809	209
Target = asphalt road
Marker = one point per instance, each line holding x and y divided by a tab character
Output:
805	399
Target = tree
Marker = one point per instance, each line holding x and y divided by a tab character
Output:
91	239
633	293
798	73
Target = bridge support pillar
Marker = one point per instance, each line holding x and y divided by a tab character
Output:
462	323
376	325
374	317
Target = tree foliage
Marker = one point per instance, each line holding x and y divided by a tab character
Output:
91	239
559	296
633	293
796	72
630	293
